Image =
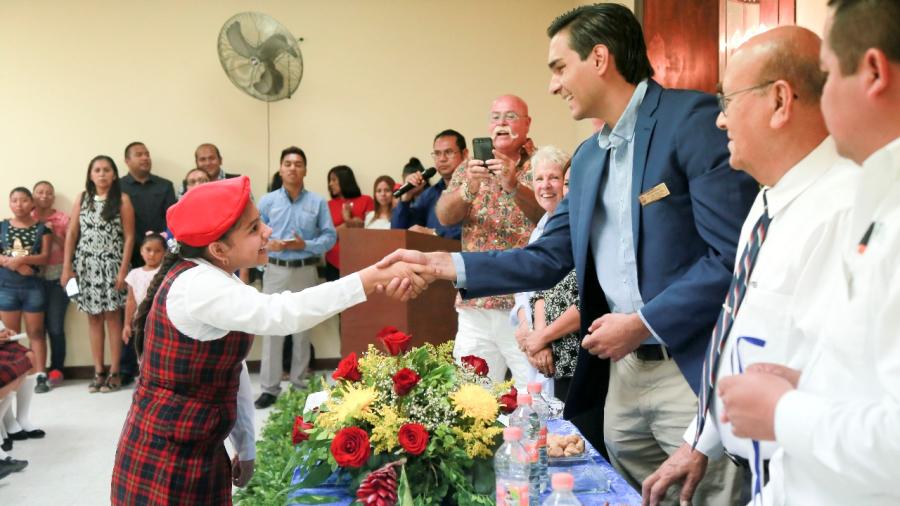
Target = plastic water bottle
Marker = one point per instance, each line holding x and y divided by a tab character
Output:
528	420
512	468
562	495
543	411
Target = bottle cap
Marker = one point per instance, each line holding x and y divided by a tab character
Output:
512	433
562	481
523	399
534	387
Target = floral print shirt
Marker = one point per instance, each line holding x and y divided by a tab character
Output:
494	222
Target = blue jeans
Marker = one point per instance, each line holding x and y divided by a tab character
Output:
22	295
55	321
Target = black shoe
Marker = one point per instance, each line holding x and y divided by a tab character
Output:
13	464
35	434
18	436
264	401
7	444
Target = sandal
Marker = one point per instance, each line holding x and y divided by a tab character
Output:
97	383
113	383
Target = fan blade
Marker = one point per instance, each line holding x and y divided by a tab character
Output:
273	46
238	42
270	82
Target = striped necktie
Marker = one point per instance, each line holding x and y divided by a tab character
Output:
733	299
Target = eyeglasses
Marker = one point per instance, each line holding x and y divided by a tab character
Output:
724	100
449	153
509	116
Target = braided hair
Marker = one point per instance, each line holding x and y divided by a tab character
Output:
171	259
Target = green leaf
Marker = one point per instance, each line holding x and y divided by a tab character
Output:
313	499
404	494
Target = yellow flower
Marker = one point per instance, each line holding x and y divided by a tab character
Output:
479	438
386	423
353	404
474	401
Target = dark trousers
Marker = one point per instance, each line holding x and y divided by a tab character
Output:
332	273
55	321
128	364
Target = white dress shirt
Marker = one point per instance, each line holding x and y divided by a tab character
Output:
206	303
840	429
809	205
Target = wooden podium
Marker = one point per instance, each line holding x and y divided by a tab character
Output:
429	318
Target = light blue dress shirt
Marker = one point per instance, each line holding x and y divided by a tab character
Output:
307	215
612	239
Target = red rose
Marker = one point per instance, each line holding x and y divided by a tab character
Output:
413	438
298	434
508	401
396	342
404	380
350	447
390	329
476	363
348	369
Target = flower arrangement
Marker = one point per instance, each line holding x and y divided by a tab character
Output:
406	427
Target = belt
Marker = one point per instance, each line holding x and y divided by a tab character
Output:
303	262
745	464
652	352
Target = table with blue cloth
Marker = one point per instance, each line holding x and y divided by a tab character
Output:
620	492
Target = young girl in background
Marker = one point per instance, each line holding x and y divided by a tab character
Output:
56	299
383	191
98	254
153	249
25	243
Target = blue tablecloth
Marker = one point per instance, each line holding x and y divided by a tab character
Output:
620	492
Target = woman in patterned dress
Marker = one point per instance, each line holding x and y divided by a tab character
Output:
193	332
550	341
98	255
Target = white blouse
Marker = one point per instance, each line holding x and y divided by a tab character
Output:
206	303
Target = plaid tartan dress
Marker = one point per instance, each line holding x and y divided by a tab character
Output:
14	362
171	449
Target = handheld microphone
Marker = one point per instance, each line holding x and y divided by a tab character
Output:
409	186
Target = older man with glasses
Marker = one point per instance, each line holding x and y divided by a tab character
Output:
449	153
776	134
494	202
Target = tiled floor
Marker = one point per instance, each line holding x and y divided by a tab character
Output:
73	464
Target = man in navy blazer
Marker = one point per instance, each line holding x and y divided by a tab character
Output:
651	224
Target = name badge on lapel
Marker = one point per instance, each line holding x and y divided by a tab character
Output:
650	196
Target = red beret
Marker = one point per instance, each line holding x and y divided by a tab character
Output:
206	212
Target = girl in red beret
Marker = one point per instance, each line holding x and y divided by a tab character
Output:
193	332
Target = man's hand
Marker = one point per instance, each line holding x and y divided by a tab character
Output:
439	261
275	245
400	280
615	335
791	375
422	230
543	362
684	465
418	183
505	167
476	172
750	401
241	471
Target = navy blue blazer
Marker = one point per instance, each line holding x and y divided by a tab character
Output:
685	243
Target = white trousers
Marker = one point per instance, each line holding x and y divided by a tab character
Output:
488	334
275	280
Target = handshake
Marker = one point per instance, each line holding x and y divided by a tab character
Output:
404	274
